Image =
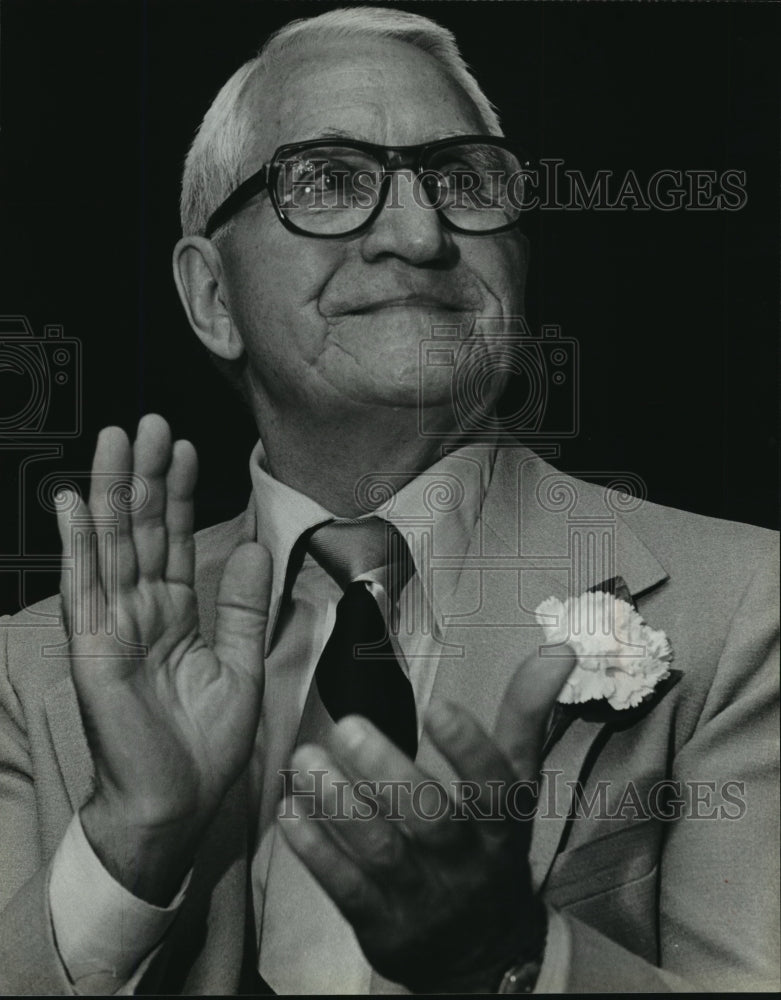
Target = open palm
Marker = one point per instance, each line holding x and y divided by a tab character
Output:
170	720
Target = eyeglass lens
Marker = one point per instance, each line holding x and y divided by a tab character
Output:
333	189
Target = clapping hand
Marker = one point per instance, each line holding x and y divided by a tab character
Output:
439	904
169	719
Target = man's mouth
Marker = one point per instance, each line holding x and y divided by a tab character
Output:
408	302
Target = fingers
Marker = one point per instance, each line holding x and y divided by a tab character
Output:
491	786
242	610
79	583
471	752
154	539
351	817
151	461
365	752
407	793
111	473
117	540
180	514
353	891
526	707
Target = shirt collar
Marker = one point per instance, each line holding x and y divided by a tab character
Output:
436	513
283	515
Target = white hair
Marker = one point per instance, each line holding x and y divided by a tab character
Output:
214	163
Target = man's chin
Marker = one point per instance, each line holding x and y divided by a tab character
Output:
392	350
386	395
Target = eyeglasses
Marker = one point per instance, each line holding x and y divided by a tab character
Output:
332	188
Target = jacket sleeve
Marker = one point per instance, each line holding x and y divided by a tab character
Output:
29	962
719	867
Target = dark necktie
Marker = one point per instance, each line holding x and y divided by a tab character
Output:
358	672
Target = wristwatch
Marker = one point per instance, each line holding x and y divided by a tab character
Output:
521	977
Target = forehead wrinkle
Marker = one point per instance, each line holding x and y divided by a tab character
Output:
331	132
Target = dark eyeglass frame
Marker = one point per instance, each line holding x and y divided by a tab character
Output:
390	158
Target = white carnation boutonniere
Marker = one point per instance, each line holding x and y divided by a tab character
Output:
620	659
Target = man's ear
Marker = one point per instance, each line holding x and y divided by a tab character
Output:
198	274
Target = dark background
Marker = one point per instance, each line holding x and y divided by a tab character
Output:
676	313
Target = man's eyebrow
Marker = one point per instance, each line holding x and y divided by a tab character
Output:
339	133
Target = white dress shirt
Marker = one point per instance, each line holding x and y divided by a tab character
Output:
106	936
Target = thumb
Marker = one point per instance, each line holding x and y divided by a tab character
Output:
526	707
242	610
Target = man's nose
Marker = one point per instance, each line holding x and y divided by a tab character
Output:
408	227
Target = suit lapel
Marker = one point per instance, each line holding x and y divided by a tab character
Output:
69	740
541	534
204	951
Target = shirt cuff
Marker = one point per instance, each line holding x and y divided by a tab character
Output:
554	972
103	932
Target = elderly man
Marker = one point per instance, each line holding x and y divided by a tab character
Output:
229	777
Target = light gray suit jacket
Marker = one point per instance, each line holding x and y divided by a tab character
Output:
649	905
